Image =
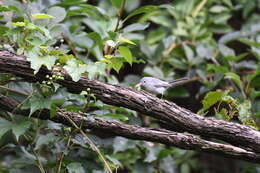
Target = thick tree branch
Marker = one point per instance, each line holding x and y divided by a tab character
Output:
184	141
177	117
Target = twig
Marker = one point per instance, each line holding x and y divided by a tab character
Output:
92	145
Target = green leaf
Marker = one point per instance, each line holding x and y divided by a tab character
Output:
20	128
185	168
155	35
212	98
20	24
235	78
125	40
126	53
135	27
4	9
152	153
116	64
254	94
58	13
45	139
188	52
117	3
42	16
122	144
217	68
244	109
245	114
118	116
4	126
37	103
249	42
96	69
44	31
75	69
144	9
218	9
37	61
75	167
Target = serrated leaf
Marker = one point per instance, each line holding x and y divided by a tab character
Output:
42	16
125	40
212	98
126	53
74	69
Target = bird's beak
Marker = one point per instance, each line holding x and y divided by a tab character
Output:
138	86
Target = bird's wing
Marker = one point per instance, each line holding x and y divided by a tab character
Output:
162	85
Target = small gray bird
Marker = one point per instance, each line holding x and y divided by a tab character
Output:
157	86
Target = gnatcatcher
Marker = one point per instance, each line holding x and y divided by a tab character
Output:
157	86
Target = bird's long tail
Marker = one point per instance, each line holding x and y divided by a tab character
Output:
179	81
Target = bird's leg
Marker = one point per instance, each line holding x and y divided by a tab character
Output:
162	95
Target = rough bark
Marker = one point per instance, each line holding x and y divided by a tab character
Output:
180	140
178	118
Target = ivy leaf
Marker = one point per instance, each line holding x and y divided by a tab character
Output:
244	109
37	61
4	126
17	128
212	98
37	103
45	139
152	153
75	167
74	69
126	53
245	114
42	16
20	128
